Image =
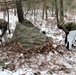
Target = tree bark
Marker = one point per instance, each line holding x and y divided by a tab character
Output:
56	12
43	10
46	14
19	11
61	12
8	16
52	10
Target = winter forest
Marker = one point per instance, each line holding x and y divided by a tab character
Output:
37	37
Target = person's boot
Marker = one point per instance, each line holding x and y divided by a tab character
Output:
67	46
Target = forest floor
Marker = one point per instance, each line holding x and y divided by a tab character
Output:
51	58
52	61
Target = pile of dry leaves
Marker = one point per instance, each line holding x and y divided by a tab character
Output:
17	47
44	48
14	55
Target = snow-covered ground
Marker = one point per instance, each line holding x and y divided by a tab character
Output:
52	63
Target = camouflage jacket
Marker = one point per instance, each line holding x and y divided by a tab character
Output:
68	27
2	21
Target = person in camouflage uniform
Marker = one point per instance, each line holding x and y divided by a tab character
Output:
69	29
3	28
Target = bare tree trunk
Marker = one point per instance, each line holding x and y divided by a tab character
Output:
8	16
59	24
19	11
61	12
43	10
14	8
52	10
56	11
46	14
14	11
4	14
34	10
7	10
34	14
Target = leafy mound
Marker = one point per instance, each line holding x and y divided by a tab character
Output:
28	35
